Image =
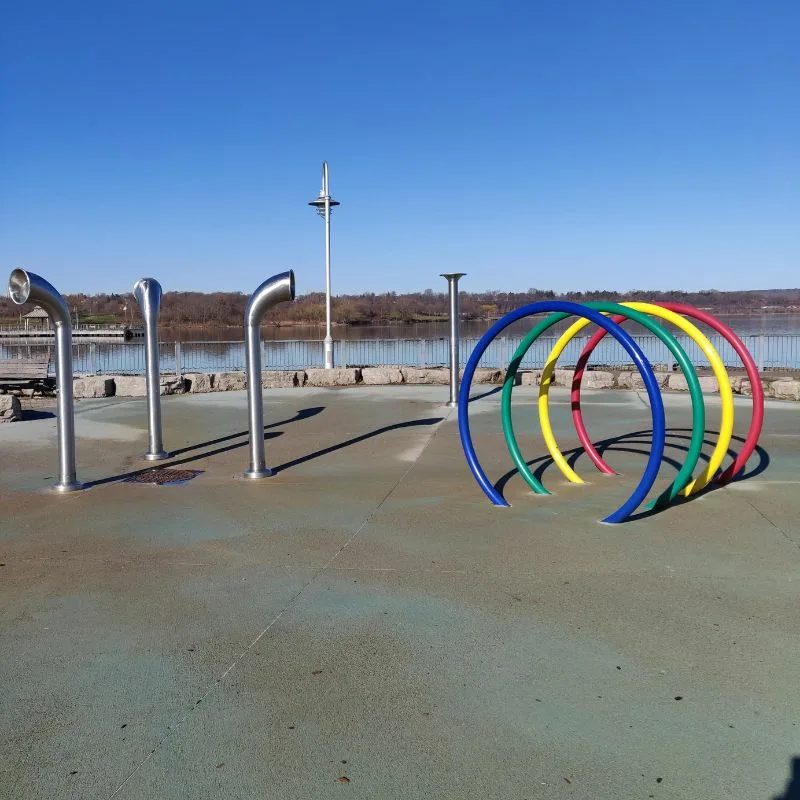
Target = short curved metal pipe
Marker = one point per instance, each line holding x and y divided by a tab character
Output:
277	289
147	292
24	287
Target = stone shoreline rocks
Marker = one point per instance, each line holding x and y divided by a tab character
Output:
10	408
787	388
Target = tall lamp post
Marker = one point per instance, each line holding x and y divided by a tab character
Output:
324	204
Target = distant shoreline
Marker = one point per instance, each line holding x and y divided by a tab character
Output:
407	323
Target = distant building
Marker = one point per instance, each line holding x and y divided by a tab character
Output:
36	319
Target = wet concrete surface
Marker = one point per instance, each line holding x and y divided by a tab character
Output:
366	624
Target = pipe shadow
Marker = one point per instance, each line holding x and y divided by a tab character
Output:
169	463
303	413
34	413
792	790
355	440
492	391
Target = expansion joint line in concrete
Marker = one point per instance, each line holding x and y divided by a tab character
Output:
279	615
774	525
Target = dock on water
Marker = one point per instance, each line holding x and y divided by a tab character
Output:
124	332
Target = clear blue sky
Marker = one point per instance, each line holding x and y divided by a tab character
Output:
561	144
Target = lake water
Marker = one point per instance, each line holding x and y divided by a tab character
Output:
743	324
773	340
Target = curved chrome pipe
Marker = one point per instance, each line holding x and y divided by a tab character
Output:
147	292
24	287
276	289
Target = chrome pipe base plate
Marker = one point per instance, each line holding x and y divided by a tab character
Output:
256	474
159	456
64	488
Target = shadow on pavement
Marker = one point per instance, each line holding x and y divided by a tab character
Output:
168	462
792	790
35	413
355	440
634	439
495	390
303	413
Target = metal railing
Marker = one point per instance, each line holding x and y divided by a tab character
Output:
770	351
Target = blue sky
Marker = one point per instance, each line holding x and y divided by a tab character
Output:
564	145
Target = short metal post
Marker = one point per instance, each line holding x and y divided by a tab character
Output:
178	361
147	292
761	352
452	285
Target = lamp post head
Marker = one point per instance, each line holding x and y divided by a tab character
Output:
319	203
324	198
453	275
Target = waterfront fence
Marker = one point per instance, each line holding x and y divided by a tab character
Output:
770	351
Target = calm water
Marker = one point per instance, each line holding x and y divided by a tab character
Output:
421	344
744	325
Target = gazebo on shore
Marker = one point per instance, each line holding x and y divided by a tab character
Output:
36	319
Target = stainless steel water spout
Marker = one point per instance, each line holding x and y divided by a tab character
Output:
23	287
274	290
452	285
147	292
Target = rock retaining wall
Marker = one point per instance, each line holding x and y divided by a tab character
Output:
134	386
10	408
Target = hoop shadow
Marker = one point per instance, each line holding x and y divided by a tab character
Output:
616	444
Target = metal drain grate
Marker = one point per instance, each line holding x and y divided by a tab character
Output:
164	476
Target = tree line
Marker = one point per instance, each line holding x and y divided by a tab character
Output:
224	309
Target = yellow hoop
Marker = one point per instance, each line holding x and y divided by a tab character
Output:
702	341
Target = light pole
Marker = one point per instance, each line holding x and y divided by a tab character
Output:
324	204
452	285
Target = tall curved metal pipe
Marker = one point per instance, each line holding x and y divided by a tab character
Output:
23	287
147	292
274	290
452	286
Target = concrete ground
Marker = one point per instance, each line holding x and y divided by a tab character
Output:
366	625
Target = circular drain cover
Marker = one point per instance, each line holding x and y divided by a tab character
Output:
163	476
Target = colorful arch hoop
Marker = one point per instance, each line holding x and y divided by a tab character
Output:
757	413
726	393
694	451
643	366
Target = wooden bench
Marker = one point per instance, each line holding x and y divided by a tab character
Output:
17	373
